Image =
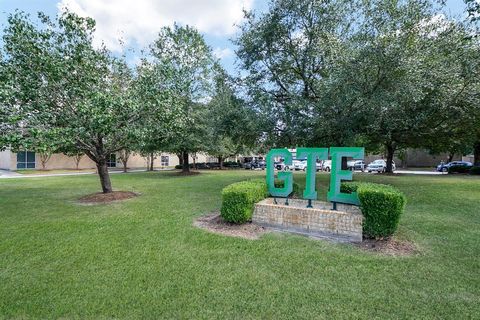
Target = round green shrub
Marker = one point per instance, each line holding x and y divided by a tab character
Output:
381	206
238	200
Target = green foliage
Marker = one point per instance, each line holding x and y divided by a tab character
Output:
475	170
184	64
238	200
381	205
231	124
372	71
296	191
349	187
231	164
459	169
63	88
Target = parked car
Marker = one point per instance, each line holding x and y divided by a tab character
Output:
319	165
327	165
279	165
300	164
257	165
356	165
379	166
444	167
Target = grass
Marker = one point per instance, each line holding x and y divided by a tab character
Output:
142	258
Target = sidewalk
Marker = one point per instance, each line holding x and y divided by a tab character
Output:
5	174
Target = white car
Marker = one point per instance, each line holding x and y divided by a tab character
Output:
379	166
327	165
300	164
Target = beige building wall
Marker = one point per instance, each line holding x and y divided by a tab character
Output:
61	161
6	160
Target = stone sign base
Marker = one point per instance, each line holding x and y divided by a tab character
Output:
344	224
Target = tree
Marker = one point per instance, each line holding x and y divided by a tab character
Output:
124	155
161	120
42	142
408	75
184	63
64	87
231	124
384	72
288	54
73	152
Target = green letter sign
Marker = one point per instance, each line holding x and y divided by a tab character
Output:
337	175
312	154
286	177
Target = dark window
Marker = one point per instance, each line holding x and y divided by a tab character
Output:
25	160
164	161
112	161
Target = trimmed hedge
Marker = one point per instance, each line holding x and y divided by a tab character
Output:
238	200
381	206
459	169
212	165
295	191
475	170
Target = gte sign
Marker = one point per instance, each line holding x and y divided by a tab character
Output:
312	155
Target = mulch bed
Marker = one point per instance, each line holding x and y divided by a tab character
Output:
107	197
388	246
213	222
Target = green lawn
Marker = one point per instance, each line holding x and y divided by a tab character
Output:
142	258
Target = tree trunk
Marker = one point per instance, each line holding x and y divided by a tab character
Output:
450	157
78	158
124	156
220	163
476	154
44	157
152	159
104	177
185	163
180	159
390	152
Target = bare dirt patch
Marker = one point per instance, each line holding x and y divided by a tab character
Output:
389	246
213	222
107	197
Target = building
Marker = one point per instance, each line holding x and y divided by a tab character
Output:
10	160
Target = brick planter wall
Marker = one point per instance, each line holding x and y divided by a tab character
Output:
344	225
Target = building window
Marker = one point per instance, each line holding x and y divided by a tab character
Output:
25	160
164	161
112	161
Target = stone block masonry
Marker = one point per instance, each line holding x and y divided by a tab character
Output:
344	224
